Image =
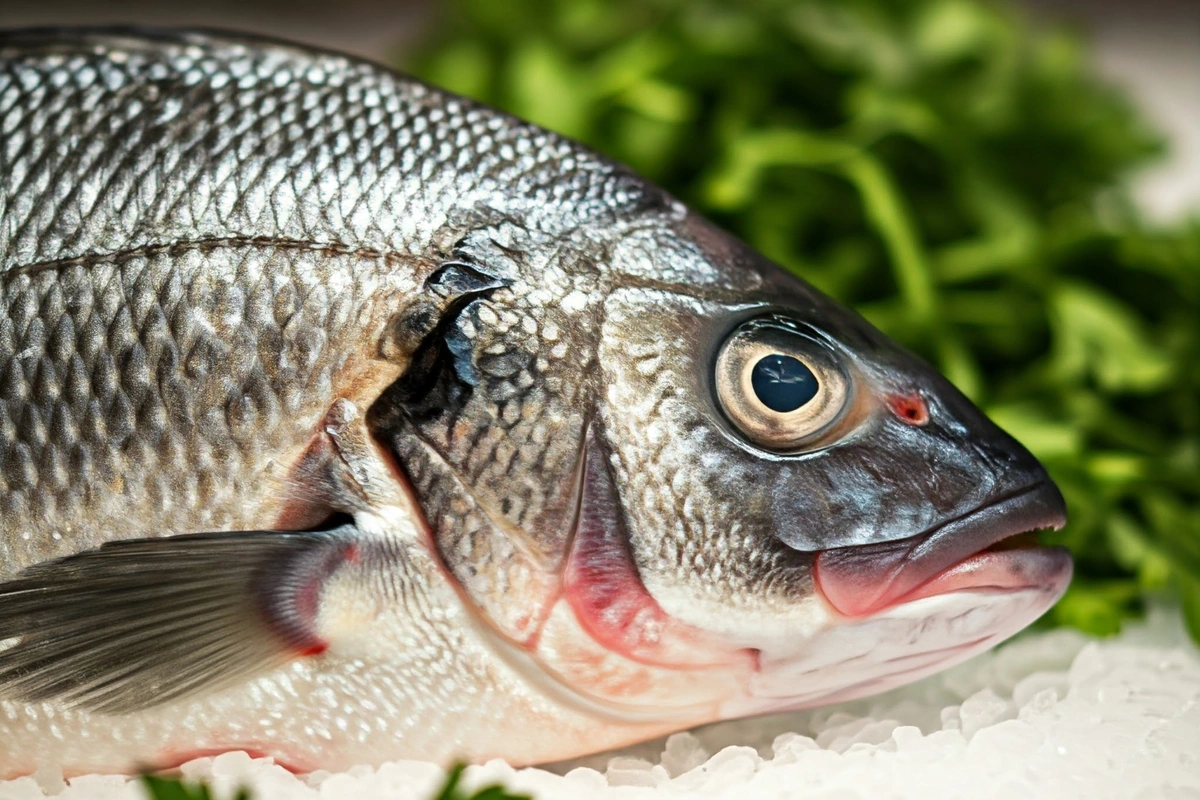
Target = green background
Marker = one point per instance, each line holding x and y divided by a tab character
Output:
952	171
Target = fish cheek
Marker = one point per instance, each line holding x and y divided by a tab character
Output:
699	512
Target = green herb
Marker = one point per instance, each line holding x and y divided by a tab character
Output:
451	791
159	788
948	168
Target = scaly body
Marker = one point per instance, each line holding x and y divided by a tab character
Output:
251	289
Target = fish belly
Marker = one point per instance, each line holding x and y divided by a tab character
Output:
422	682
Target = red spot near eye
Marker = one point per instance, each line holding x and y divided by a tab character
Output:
910	408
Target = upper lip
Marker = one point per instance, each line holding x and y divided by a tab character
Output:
862	578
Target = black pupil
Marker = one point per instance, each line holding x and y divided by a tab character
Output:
783	383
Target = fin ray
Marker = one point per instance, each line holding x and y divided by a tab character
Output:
137	623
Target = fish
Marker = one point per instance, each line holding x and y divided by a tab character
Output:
345	420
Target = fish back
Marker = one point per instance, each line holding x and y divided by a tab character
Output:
114	140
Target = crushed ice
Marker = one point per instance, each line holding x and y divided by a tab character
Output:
1051	715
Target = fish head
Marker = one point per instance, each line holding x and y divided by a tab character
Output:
798	485
680	484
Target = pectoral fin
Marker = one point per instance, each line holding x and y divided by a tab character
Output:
136	623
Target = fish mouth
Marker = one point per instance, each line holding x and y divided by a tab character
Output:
991	548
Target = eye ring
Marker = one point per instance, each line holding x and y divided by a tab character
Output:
780	388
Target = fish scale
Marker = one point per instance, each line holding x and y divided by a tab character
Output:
197	393
344	420
193	138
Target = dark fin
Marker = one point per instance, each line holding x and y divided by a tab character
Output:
137	623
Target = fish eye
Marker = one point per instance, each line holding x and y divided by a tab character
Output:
781	388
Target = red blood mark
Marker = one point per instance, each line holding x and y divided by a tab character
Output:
604	589
910	408
298	628
602	585
315	649
291	599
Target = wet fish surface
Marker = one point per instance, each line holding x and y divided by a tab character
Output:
343	420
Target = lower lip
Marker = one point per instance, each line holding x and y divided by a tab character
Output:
1001	568
1046	569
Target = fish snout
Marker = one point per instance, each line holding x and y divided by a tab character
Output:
986	495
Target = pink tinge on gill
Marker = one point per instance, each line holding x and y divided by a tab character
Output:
602	585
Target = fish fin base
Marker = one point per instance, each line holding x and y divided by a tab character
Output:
137	623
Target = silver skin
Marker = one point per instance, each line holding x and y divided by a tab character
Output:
250	288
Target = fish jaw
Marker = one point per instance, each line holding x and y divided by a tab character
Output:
917	611
899	611
855	658
882	616
879	616
964	553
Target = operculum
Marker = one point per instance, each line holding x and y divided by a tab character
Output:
514	483
583	615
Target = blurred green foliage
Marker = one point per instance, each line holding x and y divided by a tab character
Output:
948	168
163	788
453	791
169	788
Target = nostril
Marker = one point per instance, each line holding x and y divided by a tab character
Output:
910	408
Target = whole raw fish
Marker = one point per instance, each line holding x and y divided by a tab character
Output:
344	420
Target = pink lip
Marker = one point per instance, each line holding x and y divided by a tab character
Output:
1045	568
961	554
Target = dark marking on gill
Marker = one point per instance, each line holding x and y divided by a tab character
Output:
441	372
335	520
461	348
457	279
